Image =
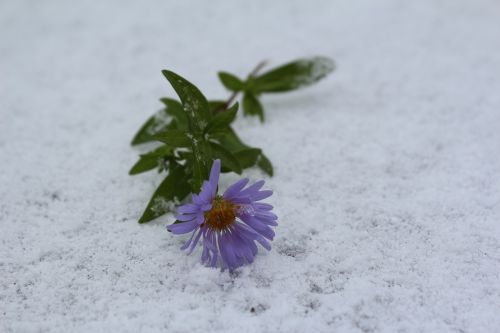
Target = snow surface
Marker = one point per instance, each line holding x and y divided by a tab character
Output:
387	173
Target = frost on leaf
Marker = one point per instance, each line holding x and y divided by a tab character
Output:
161	120
295	75
161	205
312	70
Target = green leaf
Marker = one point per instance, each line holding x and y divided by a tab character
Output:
294	75
199	115
252	106
175	138
265	165
174	108
154	125
174	187
193	101
247	157
161	121
144	164
245	154
231	81
229	140
222	119
229	161
150	160
216	106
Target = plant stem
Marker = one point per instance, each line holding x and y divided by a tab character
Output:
235	94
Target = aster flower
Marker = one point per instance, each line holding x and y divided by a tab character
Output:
230	224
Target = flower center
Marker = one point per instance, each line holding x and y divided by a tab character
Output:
222	214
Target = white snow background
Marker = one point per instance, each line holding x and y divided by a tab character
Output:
386	173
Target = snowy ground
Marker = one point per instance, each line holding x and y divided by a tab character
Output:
387	173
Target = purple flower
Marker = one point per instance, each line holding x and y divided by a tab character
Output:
230	224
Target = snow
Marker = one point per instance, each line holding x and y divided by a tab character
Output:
386	173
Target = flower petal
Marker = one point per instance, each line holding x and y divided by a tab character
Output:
252	234
206	207
263	206
188	208
185	246
240	200
235	188
266	216
195	241
182	228
229	252
252	189
197	200
262	195
185	217
264	243
244	246
236	244
206	193
205	255
266	220
214	177
259	227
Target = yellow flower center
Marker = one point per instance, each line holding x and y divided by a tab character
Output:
222	214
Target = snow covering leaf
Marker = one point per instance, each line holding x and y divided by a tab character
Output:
174	108
229	161
252	106
173	188
222	120
159	122
230	81
150	160
294	75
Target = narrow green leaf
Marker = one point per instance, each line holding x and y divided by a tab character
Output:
247	157
143	165
265	165
174	108
245	154
229	140
154	125
193	101
199	115
216	106
252	106
231	81
294	75
150	160
202	162
222	119
229	161
173	188
175	138
161	121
